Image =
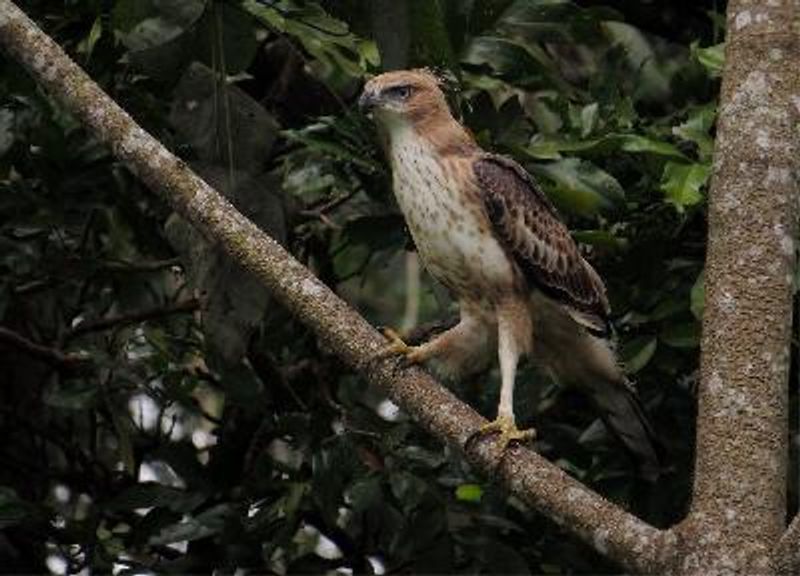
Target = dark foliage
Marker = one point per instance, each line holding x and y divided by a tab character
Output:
161	414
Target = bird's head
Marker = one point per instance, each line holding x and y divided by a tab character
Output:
410	95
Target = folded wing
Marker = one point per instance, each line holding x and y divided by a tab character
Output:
529	228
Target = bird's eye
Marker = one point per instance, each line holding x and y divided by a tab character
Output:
399	92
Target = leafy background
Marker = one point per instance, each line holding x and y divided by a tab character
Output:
161	414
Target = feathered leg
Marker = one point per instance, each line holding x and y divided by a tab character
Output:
514	340
460	350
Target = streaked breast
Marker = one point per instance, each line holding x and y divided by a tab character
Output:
446	219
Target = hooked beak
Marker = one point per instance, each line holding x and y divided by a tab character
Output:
368	100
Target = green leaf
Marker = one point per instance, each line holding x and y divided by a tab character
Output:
589	114
640	56
231	29
365	494
208	523
555	21
161	25
681	183
698	296
696	129
128	13
430	41
670	305
408	489
152	495
642	144
7	119
484	14
469	493
13	509
712	58
581	187
601	238
234	300
311	138
636	353
71	395
327	39
552	147
238	136
87	45
124	429
681	335
508	58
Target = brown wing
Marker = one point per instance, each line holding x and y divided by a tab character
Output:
528	226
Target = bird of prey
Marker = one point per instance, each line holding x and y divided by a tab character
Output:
487	232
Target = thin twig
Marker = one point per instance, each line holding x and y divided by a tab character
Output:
326	205
58	359
145	266
34	286
122	266
115	321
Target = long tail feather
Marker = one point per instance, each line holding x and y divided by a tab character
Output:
624	415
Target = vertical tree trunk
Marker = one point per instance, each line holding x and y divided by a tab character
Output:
739	504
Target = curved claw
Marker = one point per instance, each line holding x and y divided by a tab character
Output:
507	429
397	347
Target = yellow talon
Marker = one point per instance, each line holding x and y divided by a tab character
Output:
396	344
507	429
397	347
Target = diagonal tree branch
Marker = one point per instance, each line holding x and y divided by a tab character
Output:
609	529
